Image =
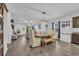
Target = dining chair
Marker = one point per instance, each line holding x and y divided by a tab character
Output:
34	41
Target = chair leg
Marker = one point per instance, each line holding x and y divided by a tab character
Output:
45	44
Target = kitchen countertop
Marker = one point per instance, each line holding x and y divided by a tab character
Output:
75	33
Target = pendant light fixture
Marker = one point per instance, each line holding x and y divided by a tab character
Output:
44	15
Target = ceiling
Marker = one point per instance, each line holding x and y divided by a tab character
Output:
53	10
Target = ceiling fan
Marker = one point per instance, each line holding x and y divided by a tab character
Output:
45	14
40	11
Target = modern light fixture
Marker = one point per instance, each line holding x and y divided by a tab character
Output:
44	12
44	16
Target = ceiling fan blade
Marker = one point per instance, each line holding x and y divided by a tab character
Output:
35	9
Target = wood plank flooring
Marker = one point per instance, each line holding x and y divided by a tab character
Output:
20	47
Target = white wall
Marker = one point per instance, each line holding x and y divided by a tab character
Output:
5	37
65	32
7	31
69	30
9	28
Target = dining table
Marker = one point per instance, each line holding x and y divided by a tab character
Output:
43	36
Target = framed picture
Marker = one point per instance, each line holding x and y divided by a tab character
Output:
67	23
63	23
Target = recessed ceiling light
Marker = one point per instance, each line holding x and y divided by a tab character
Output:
26	21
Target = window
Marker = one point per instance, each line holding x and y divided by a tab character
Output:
39	26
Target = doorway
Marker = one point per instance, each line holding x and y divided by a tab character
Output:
56	28
59	29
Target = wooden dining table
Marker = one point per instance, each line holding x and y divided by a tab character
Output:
43	36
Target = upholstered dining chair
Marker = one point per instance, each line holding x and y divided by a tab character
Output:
34	41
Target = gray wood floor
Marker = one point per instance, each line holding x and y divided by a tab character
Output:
20	47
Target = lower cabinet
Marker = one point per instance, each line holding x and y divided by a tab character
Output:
75	38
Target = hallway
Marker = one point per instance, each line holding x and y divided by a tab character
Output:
20	47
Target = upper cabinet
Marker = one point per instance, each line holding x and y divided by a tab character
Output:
76	22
